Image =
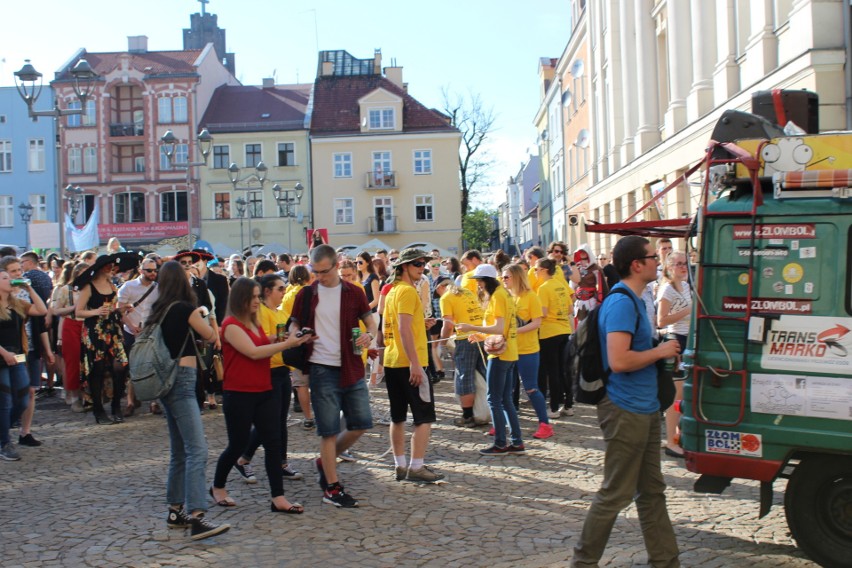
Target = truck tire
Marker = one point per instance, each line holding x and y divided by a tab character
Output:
818	506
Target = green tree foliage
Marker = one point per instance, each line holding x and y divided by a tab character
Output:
477	229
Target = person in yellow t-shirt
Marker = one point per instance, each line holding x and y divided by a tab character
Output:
460	306
529	314
557	307
299	278
406	357
269	316
470	260
499	320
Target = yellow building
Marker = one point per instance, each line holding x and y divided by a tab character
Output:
250	126
383	165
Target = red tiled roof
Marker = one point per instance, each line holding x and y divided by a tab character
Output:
242	108
336	110
150	62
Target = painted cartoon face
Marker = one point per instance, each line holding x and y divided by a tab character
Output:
786	155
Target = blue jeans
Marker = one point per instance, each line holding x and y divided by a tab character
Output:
186	483
14	397
527	368
498	376
328	398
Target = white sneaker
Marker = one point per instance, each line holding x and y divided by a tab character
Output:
554	415
567	411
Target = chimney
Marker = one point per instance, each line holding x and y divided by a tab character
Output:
394	75
268	83
377	62
327	68
137	44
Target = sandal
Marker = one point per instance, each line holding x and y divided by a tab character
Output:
129	410
226	502
293	509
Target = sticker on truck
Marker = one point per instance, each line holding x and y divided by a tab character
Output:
800	395
736	443
808	343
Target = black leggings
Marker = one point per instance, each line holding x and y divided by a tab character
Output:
242	409
282	389
552	374
96	385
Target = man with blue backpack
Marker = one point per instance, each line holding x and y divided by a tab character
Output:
629	415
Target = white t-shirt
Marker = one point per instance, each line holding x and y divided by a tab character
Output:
132	291
679	301
327	326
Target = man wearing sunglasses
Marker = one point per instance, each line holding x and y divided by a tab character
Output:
140	294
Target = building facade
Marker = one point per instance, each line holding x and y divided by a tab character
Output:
383	165
113	149
27	166
251	125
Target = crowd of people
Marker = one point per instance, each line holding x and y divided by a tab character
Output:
394	319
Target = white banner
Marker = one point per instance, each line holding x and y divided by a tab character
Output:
86	238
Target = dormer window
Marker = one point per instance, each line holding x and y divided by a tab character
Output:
381	119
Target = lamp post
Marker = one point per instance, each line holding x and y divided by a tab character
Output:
285	206
241	211
26	210
205	145
29	84
259	176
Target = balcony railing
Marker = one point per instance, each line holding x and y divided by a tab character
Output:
126	129
382	225
381	180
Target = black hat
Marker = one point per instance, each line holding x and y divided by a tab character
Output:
124	260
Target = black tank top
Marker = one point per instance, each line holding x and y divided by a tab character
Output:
96	300
10	332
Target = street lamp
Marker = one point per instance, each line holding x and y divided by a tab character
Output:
29	84
241	211
74	197
285	205
26	210
205	145
259	176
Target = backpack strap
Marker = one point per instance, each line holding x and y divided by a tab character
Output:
185	339
624	292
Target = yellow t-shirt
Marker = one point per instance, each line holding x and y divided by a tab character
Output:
501	305
469	282
269	320
528	307
557	298
535	282
403	299
463	307
290	298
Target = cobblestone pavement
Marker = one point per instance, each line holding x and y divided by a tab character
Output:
94	496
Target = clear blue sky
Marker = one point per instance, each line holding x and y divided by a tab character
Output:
490	47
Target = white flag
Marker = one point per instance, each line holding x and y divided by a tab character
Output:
82	239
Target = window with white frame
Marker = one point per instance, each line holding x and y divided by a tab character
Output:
39	204
173	206
90	160
73	120
75	160
221	157
35	155
381	118
129	207
424	208
422	162
344	211
286	154
5	155
382	162
254	155
255	204
164	110
88	118
222	205
180	157
343	165
179	113
7	211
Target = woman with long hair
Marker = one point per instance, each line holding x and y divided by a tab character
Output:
102	341
381	270
452	266
237	270
14	380
556	308
499	320
271	316
248	397
182	323
299	278
70	335
368	277
54	319
529	314
674	306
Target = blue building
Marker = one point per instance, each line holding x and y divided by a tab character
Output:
27	165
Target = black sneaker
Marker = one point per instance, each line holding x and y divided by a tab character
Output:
335	495
246	472
28	440
516	450
202	528
178	519
320	474
494	451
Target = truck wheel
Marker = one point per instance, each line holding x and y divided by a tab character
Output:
818	506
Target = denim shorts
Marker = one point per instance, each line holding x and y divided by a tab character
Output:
328	399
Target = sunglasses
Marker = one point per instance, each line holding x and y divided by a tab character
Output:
361	262
505	277
558	251
417	263
435	265
149	270
394	259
